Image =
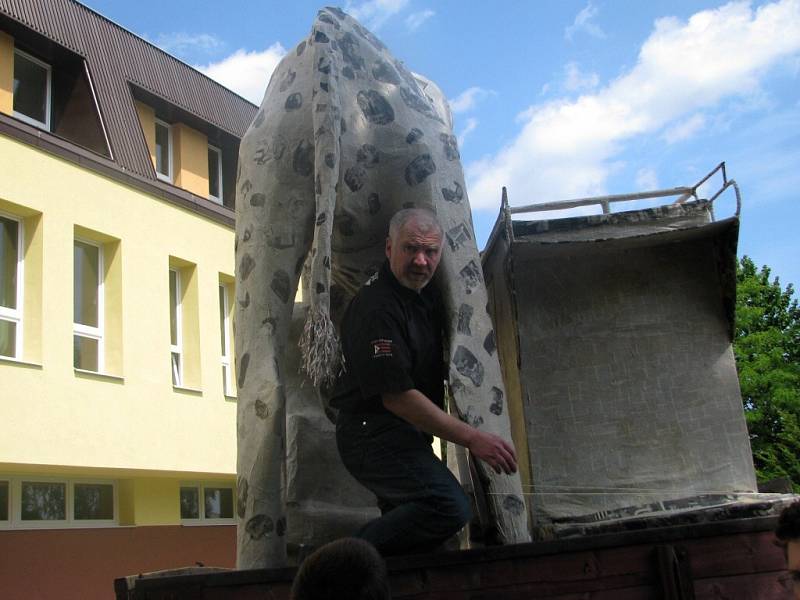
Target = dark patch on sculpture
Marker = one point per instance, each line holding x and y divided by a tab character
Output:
300	48
349	45
468	365
259	119
246	302
450	146
303	159
336	11
346	224
514	505
416	102
248	233
280	527
241	496
294	101
330	160
270	150
258	199
375	107
246	266
496	407
419	169
464	318
473	419
280	285
326	18
414	135
348	72
455	195
489	344
373	204
321	218
384	72
287	80
355	177
368	155
323	85
471	274
262	410
271	324
320	38
324	65
458	236
259	526
242	369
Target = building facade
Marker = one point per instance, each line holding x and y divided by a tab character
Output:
117	383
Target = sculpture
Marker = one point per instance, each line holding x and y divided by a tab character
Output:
345	137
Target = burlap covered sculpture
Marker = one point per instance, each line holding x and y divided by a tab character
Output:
345	137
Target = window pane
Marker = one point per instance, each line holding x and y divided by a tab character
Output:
213	173
173	308
162	149
176	368
44	501
222	332
85	353
9	255
94	501
8	338
30	89
86	279
3	501
218	503
190	503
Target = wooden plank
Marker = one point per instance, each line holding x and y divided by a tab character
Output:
735	554
753	586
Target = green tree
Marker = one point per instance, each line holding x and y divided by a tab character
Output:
767	348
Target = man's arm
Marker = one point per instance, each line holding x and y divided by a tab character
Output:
416	408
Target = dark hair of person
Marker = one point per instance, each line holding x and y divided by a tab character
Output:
789	524
347	568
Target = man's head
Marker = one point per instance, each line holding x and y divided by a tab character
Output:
414	246
347	568
788	533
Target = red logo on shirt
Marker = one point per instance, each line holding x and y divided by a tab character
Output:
381	348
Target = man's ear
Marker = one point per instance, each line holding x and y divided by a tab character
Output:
388	247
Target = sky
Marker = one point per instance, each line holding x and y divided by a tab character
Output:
561	99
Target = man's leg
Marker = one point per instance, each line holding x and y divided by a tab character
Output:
395	462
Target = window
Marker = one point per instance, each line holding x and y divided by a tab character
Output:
11	282
32	85
164	151
225	338
214	174
88	306
44	502
175	322
206	503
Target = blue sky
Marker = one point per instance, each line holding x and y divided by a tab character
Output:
559	99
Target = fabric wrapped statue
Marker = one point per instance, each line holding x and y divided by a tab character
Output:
344	138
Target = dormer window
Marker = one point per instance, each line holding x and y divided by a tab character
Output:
214	174
32	90
164	151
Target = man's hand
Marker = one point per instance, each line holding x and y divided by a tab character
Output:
416	408
494	451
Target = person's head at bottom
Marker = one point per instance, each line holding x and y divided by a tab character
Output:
349	568
788	533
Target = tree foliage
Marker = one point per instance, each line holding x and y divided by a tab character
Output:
767	348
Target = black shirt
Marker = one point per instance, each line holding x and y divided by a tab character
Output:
392	342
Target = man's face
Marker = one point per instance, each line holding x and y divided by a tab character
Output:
414	255
793	565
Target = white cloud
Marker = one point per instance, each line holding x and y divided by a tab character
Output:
583	22
374	13
566	148
472	123
684	129
576	80
415	20
646	179
468	99
246	73
182	43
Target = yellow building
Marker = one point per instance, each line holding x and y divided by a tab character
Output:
117	385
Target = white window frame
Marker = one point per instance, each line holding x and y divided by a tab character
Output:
217	199
49	93
14	315
87	331
201	490
165	177
177	348
15	504
227	379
